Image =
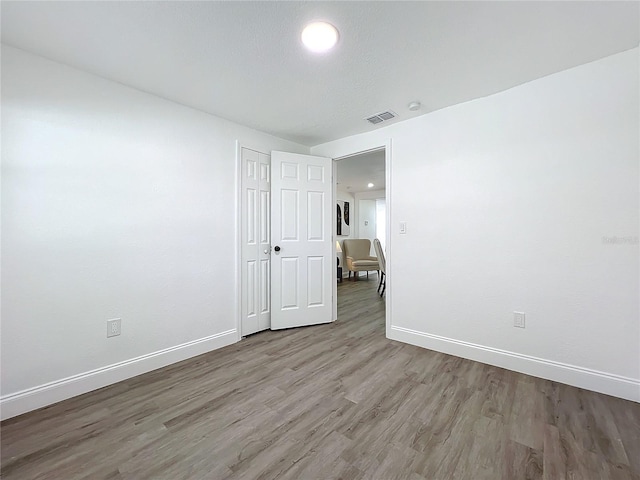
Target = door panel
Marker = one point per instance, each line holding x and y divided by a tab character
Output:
315	216
289	214
265	217
290	273
315	282
255	237
302	269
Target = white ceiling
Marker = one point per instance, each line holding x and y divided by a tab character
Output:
243	60
355	172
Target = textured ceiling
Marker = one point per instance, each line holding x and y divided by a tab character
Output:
355	172
243	60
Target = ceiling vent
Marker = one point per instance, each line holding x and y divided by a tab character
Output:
381	117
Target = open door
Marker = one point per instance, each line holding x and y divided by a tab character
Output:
302	257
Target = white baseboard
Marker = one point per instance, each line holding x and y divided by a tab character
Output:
33	398
610	384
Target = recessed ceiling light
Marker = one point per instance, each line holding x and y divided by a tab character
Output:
319	36
370	185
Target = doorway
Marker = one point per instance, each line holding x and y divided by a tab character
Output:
361	181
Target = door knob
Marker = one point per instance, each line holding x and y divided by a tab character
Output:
277	248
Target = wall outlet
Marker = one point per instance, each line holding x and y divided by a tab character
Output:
114	327
518	319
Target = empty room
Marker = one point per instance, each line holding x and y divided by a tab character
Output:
320	240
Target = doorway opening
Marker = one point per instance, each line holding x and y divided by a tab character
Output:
361	192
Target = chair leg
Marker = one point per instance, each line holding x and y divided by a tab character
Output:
384	285
379	280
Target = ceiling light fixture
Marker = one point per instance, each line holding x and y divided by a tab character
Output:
370	185
319	37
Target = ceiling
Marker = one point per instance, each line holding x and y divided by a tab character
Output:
355	172
243	61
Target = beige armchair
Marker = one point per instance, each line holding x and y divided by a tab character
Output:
357	255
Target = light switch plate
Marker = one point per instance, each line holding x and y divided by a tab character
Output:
403	228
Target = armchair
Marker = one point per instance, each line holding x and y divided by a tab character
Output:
357	256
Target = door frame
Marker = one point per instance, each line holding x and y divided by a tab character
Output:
342	154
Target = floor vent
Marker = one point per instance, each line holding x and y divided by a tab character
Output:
381	117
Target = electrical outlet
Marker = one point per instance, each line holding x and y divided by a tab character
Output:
518	319
114	327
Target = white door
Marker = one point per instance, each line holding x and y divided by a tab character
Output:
255	235
302	256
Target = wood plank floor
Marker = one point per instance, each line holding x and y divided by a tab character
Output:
328	402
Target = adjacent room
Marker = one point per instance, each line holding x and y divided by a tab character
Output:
361	203
312	240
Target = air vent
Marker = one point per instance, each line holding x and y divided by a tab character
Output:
381	117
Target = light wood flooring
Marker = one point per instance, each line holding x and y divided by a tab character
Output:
328	402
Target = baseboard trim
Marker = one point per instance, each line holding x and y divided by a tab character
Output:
30	399
597	381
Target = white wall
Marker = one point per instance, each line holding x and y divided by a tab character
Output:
367	201
367	220
115	203
516	193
